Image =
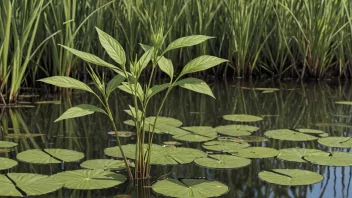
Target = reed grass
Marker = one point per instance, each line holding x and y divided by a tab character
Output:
270	38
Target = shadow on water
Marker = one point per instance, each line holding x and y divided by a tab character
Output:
294	105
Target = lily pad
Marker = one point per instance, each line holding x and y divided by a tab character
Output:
286	134
236	130
160	155
6	163
223	161
172	143
225	146
197	134
312	131
297	154
106	164
6	144
31	184
122	133
257	152
242	118
254	139
190	188
163	125
336	142
333	124
335	159
49	156
89	179
290	177
344	102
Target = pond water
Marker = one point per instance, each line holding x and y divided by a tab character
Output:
294	105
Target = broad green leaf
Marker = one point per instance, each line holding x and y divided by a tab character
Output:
79	111
236	130
223	161
195	85
156	89
114	83
187	41
6	163
89	179
257	152
6	144
67	82
290	177
298	154
112	47
106	164
144	60
132	112
336	142
145	47
312	131
132	90
90	58
289	135
335	159
197	134
31	184
225	146
242	118
201	63
190	188
49	156
166	66
65	155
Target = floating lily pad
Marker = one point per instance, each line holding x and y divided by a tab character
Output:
172	143
106	164
225	146
31	184
297	154
335	159
89	179
323	135
242	118
290	177
6	144
337	142
163	125
223	161
236	130
197	134
312	131
326	124
286	134
160	155
257	152
6	163
344	102
49	156
122	133
190	188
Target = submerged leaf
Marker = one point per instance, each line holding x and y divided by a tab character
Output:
336	142
223	161
286	134
242	118
298	154
290	177
190	188
257	152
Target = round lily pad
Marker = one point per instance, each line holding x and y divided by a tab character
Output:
190	188
31	184
312	131
242	118
297	154
225	146
163	124
172	143
6	163
223	161
89	179
106	164
49	156
160	155
197	134
286	134
257	152
6	144
236	130
335	159
337	142
290	177
122	133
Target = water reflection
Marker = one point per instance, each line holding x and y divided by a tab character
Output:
295	105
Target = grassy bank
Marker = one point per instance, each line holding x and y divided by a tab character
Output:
272	38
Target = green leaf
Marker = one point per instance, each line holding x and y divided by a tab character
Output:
335	159
344	102
298	154
7	188
201	63
236	130
6	163
106	164
144	60
114	83
242	118
195	85
257	152
112	47
67	82
156	89
130	88
336	142
166	66
89	179
197	134
6	144
289	135
36	156
290	177
79	111
90	58
223	161
190	188
225	146
187	41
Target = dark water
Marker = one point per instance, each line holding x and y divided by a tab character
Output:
296	105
